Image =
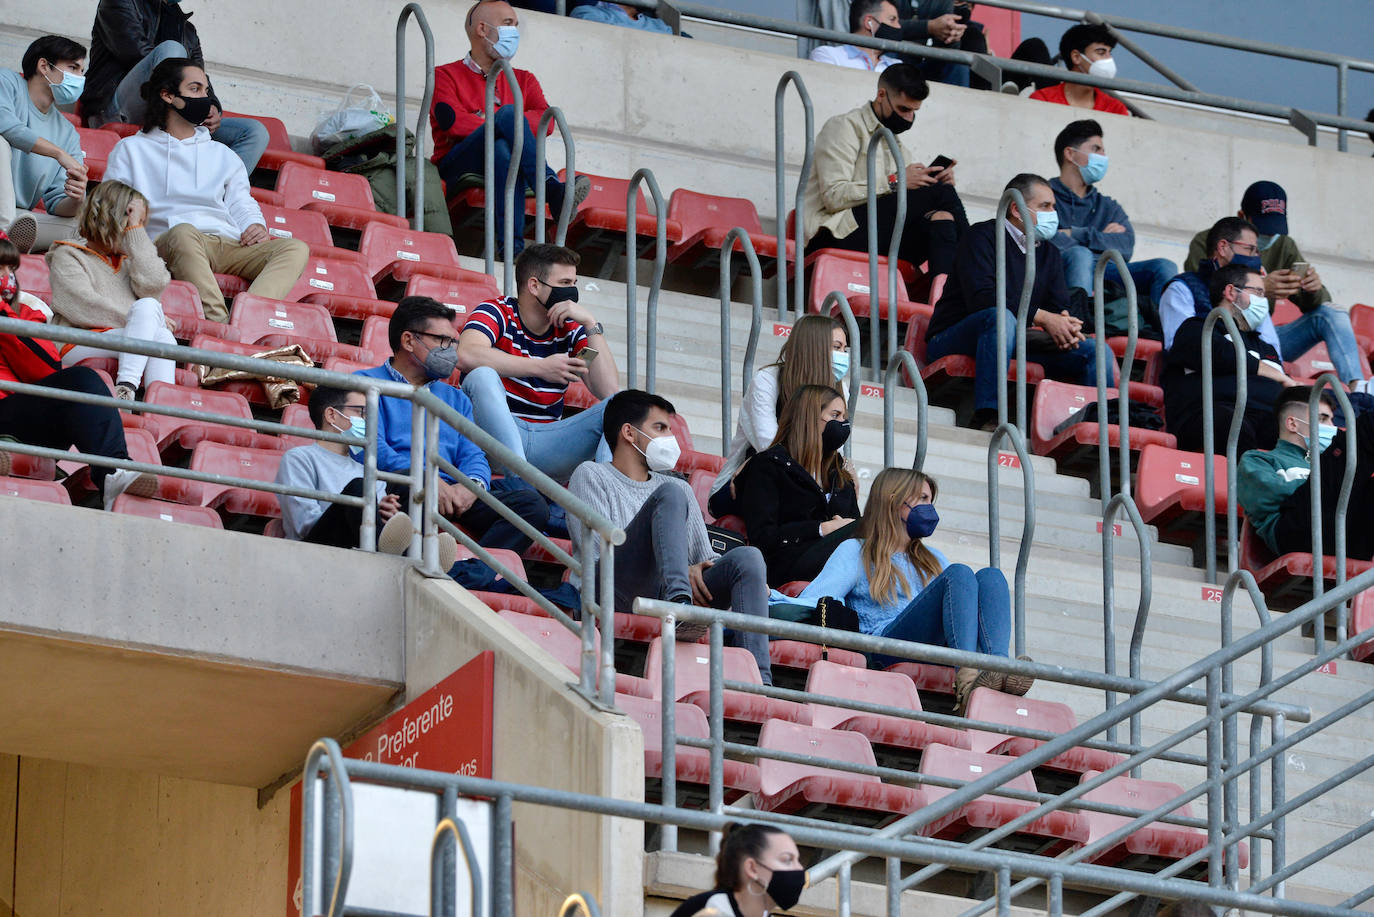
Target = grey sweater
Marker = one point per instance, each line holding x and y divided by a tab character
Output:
619	498
317	468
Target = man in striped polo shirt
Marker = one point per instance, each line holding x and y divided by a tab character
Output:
520	353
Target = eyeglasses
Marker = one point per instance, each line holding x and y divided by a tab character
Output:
356	410
1259	290
445	340
1242	246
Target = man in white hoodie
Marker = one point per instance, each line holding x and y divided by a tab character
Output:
200	212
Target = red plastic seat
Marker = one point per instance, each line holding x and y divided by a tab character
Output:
1055	402
374	338
891	689
1285	311
181	303
806	788
203	516
239	462
566	647
1057	830
705	221
296	415
991	706
1149	846
1305	368
692	684
343	287
95	150
267	196
340	365
536	552
186	434
345	199
700	481
394	255
275	323
44	491
1289	574
142	447
460	294
120	128
580	397
278	153
601	221
33	276
1362	321
1171	492
31	467
1361	619
956	367
310	227
692	765
830	272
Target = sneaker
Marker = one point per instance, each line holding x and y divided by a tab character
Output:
582	186
689	631
1010	88
125	481
23	232
125	392
1019	684
395	536
448	551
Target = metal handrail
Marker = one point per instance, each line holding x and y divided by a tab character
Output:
880	136
1009	197
798	219
501	67
412	9
341	799
438	899
583	903
644	176
1342	500
1222	314
727	252
555	114
904	361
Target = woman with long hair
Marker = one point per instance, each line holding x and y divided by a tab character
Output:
758	871
797	497
110	281
904	589
815	353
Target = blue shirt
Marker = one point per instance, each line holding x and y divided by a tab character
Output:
614	14
1085	218
844	578
22	125
395	438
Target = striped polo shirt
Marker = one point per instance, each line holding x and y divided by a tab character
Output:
528	397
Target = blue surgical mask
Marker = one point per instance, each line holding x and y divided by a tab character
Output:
1326	434
1046	224
507	42
1256	311
839	363
921	520
1267	242
1250	261
1095	169
357	426
69	90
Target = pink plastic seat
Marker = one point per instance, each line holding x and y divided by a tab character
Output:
692	765
239	462
1150	846
395	255
891	689
692	684
831	272
181	303
44	491
310	227
342	287
187	434
706	219
991	706
95	150
278	153
566	648
1055	402
459	293
345	199
274	323
1171	491
203	516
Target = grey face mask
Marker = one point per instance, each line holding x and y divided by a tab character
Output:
440	364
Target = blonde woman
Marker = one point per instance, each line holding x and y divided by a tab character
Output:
816	353
905	589
110	281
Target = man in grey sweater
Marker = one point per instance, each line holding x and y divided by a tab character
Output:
667	554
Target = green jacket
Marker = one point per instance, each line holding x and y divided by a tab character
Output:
1264	479
1280	256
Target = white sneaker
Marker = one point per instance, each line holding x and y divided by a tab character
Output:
395	536
125	481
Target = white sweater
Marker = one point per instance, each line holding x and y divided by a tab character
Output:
758	424
196	181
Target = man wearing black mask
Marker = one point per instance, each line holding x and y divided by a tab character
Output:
836	210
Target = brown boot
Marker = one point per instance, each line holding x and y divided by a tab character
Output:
966	679
1019	684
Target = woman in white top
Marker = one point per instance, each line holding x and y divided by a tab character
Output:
816	353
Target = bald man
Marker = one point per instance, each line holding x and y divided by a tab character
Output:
457	116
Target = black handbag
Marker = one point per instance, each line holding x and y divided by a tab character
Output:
723	540
836	615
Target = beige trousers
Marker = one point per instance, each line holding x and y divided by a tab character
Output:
273	266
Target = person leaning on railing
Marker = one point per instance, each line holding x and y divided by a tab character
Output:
815	353
904	589
797	497
112	283
667	552
51	422
758	872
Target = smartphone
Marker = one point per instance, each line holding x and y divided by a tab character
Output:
1300	268
940	163
587	355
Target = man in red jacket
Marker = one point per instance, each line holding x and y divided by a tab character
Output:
457	116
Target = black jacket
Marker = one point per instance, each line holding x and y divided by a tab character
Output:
973	287
782	507
1183	388
124	33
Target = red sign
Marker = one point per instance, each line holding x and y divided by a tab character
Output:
781	331
1008	460
1327	668
869	390
1212	594
1116	528
448	728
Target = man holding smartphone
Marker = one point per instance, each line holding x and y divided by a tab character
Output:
519	354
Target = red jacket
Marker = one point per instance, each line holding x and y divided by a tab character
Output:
1101	101
460	100
25	359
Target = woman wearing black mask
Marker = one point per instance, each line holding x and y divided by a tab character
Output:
758	872
797	497
906	590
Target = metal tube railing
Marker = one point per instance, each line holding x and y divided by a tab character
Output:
582	903
645	176
412	9
883	136
338	779
1342	500
1222	314
727	252
501	67
555	114
439	903
904	361
798	220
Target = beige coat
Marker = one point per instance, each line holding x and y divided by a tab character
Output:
88	293
839	172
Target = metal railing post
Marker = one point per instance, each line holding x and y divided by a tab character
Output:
668	722
903	360
586	675
883	135
780	168
439	878
417	482
502	858
1009	197
646	176
727	251
1221	314
412	9
430	529
555	114
1342	500
367	534
501	67
343	834
716	790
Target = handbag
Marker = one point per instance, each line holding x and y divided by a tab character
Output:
837	615
723	540
351	119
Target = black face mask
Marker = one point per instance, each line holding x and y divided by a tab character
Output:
835	435
196	109
888	32
893	121
786	886
558	295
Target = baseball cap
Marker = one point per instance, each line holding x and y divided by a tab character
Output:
1266	204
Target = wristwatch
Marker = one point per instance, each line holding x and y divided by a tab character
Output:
595	330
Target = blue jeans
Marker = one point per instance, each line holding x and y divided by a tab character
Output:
1324	324
958	609
947	72
467	157
246	137
554	448
976	336
1149	277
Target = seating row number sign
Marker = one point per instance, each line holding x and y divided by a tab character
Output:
869	390
1116	528
1010	460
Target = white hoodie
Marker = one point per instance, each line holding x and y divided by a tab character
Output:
196	181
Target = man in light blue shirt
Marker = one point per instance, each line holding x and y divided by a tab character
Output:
619	14
866	17
40	152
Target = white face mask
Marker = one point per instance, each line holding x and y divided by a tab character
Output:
662	453
1104	68
1256	311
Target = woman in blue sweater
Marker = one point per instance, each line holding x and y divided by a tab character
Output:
906	590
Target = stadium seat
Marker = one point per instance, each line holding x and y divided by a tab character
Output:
891	689
705	221
813	791
692	684
95	149
187	434
310	227
278	153
203	516
1306	367
460	294
535	552
794	654
1047	836
119	128
348	367
1155	845
296	415
110	367
700	481
181	303
1171	492
393	255
692	765
566	648
31	467
991	706
275	323
937	679
1076	447
830	272
142	447
1288	576
267	196
239	462
44	491
1361	619
940	375
580	397
1146	350
342	287
33	276
345	199
601	222
1285	311
252	390
1362	320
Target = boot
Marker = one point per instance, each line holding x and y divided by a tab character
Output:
1019	684
966	679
